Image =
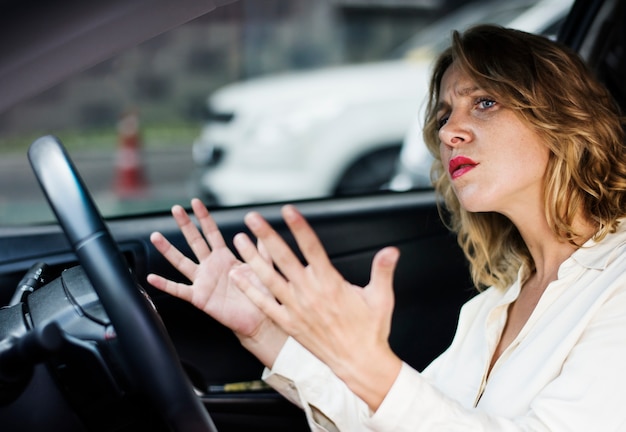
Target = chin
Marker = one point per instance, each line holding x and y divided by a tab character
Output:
473	203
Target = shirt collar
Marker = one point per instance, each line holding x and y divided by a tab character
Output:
598	255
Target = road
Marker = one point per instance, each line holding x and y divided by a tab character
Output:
161	167
167	173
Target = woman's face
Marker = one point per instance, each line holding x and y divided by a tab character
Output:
495	161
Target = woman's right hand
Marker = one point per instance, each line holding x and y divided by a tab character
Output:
211	288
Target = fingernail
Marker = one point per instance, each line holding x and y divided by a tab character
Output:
290	213
233	274
253	220
239	240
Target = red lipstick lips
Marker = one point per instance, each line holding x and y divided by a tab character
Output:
459	165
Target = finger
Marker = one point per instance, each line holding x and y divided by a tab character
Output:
177	259
176	289
264	270
263	299
308	242
194	239
278	250
247	272
265	254
208	225
382	273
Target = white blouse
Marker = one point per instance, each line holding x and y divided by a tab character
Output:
565	371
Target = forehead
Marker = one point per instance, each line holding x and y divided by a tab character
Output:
456	82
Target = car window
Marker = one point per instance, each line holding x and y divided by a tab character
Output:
258	101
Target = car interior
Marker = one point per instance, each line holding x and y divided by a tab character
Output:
86	344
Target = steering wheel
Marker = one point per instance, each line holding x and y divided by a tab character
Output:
146	347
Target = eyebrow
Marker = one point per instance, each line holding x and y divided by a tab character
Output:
467	90
464	91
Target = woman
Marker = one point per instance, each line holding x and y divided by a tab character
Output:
530	164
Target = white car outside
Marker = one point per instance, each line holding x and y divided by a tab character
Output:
332	130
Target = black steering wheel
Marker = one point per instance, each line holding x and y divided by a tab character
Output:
146	346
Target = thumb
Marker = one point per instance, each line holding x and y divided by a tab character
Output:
383	268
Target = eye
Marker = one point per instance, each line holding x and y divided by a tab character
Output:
485	103
441	121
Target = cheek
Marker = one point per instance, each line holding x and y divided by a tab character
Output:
536	160
528	172
530	154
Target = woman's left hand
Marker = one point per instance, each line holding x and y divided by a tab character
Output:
347	327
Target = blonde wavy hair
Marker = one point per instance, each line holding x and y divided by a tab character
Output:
553	91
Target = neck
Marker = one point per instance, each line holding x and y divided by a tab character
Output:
548	251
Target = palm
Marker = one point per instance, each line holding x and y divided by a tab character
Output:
215	294
211	289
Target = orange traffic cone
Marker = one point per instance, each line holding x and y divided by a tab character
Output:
130	180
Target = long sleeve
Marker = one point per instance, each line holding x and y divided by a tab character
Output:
307	382
564	372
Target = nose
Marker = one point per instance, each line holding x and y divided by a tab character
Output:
455	131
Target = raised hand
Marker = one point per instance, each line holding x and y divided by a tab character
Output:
211	290
345	326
